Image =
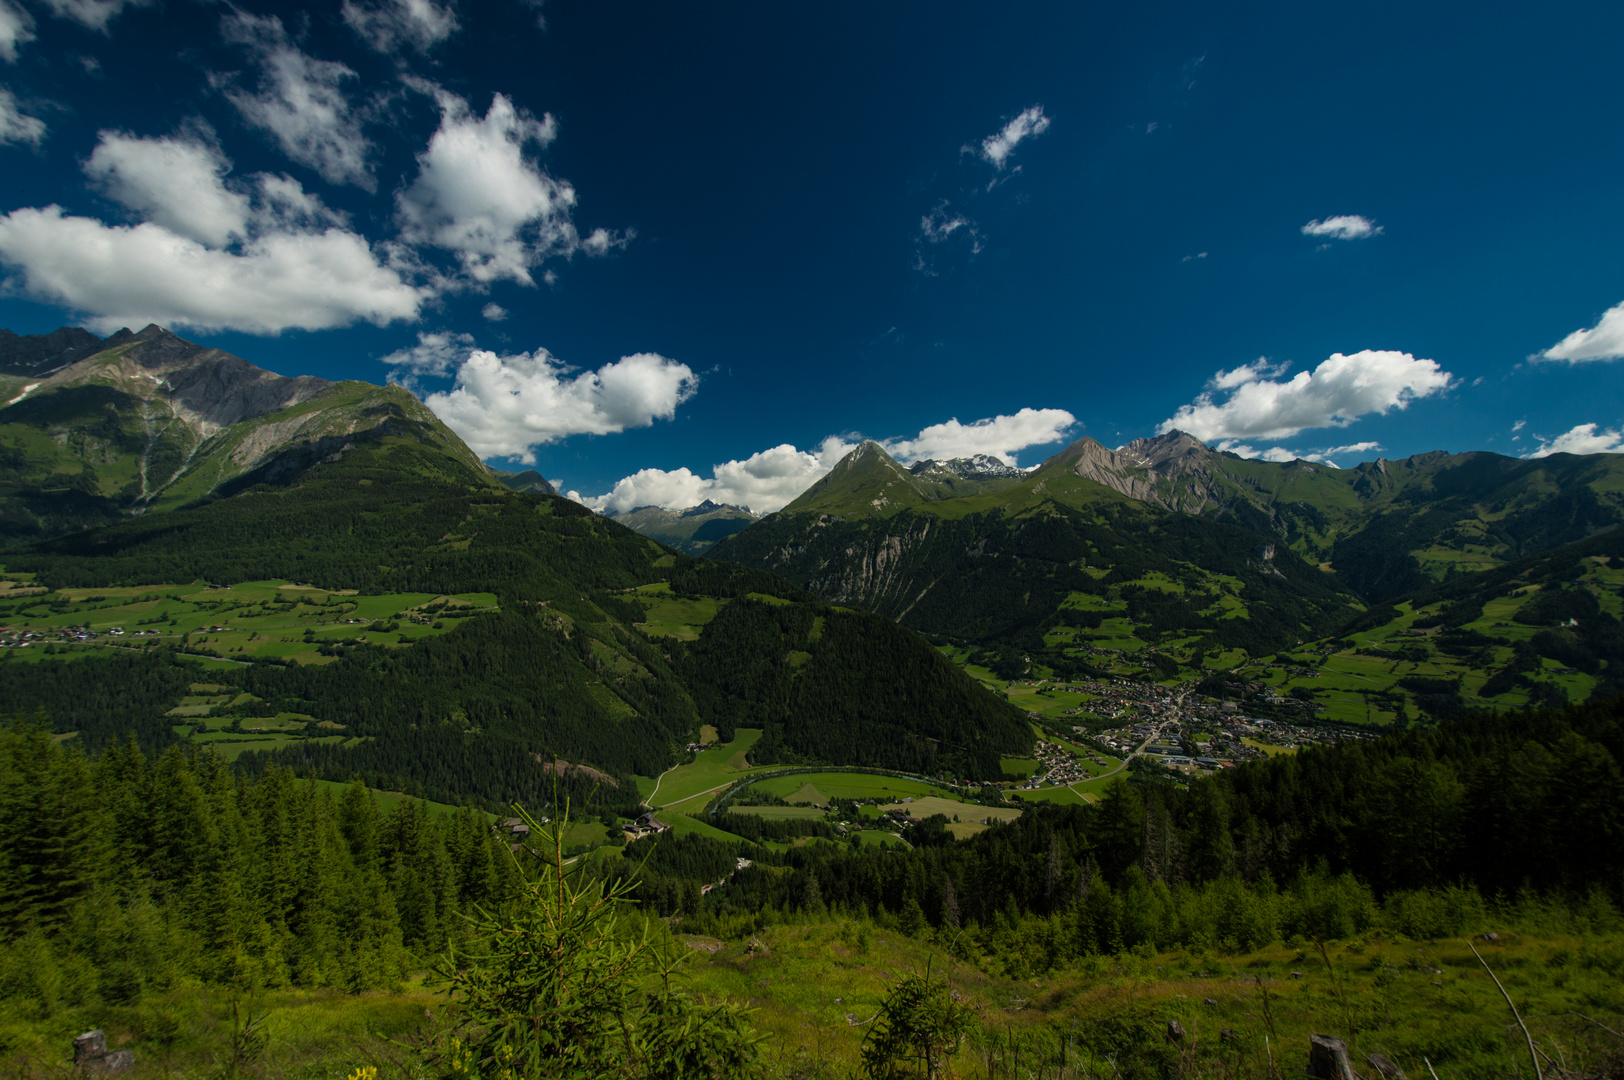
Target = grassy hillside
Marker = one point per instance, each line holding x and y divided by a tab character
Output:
151	423
1341	891
1386	527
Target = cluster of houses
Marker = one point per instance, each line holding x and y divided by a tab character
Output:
647	825
1059	766
17	637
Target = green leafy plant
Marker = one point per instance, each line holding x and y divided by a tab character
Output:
917	1031
562	985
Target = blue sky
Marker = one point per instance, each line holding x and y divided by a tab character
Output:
672	252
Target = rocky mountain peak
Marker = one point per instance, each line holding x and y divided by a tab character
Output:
709	507
1165	448
1170	471
976	467
211	388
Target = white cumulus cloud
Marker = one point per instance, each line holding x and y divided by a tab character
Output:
16	28
263	259
494	312
1343	227
998	436
506	406
1284	455
997	147
771	479
17	126
391	24
94	14
435	354
1272	453
1339	391
1582	439
1352	448
479	195
176	183
764	482
301	103
1604	341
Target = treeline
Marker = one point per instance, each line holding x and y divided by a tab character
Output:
391	517
129	873
1414	828
102	699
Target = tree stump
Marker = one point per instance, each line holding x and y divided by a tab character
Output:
90	1054
1328	1058
89	1048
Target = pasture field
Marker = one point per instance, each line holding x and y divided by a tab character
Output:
848	785
234	746
931	805
674	616
816	812
712	768
683	825
388	801
1063	796
269	619
1022	767
878	838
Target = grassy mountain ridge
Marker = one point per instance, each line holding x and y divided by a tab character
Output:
150	422
1387	526
1002	565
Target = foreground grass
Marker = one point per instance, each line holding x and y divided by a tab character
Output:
815	986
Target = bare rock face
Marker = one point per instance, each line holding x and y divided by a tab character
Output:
212	388
1170	471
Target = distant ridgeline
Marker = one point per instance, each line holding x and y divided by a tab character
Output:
1192	554
693	531
564	669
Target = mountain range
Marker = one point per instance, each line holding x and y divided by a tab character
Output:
568	636
124	461
1384	527
693	531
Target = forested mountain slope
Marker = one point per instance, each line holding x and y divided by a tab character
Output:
576	663
1004	564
